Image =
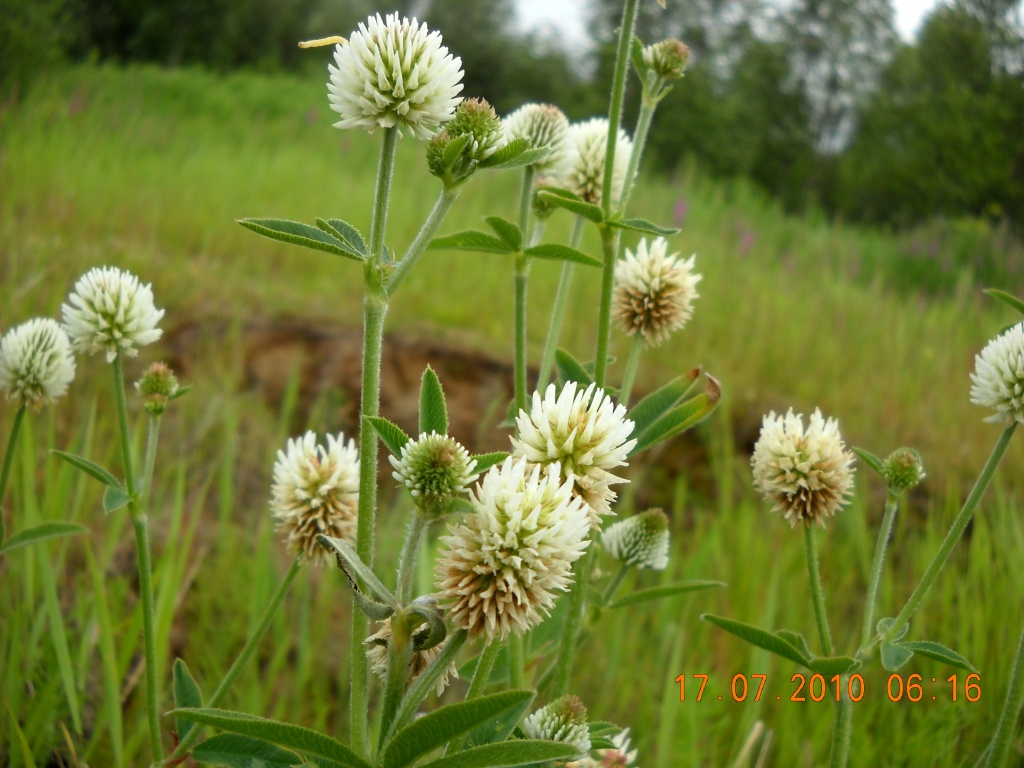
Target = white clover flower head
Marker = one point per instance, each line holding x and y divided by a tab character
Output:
110	310
394	72
586	173
585	434
667	58
654	291
807	476
641	541
503	565
998	378
545	125
36	363
620	756
377	656
435	468
315	490
563	720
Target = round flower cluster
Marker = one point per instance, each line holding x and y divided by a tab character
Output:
377	655
619	756
435	468
36	363
998	378
641	541
654	291
110	310
585	434
544	125
585	176
807	476
563	720
315	490
503	565
394	72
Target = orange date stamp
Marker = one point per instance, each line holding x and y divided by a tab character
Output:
898	687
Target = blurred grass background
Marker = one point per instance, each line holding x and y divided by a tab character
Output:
147	169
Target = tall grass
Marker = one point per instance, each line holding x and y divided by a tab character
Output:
148	169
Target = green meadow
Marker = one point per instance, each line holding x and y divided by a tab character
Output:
148	170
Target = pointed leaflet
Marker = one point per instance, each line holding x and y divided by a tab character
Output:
894	655
937	652
470	240
345	232
40	533
656	404
498	728
485	461
186	694
1008	298
114	499
555	252
669	590
452	152
682	417
884	625
510	233
642	225
433	410
760	637
569	369
830	666
563	198
442	725
348	559
298	233
235	751
797	640
508	753
303	740
869	458
392	434
515	154
90	468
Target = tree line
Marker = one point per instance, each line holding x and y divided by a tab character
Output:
818	102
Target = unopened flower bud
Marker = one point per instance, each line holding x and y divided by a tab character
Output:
476	123
640	541
157	386
563	720
667	58
903	469
435	468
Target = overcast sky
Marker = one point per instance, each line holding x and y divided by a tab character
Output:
564	18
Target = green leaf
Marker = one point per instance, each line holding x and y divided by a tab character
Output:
90	468
507	753
656	404
636	56
443	725
563	198
669	590
869	458
603	728
830	666
681	418
393	435
345	232
797	640
569	369
298	233
302	740
114	499
497	729
459	505
186	694
760	637
940	653
601	742
426	681
485	461
453	151
642	225
1007	298
39	533
894	655
235	751
350	562
470	240
555	252
516	153
433	410
883	626
510	233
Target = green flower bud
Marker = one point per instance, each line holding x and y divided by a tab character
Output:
435	468
157	385
472	136
903	469
667	58
640	541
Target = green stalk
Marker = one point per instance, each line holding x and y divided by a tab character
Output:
884	534
418	246
1002	741
632	363
843	730
141	528
5	475
573	619
643	126
399	658
609	249
522	278
484	665
956	530
149	462
241	660
410	552
375	307
558	311
613	585
424	684
817	595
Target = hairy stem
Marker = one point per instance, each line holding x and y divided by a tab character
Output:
632	363
5	475
1002	741
817	595
643	127
399	656
410	553
609	251
149	462
558	310
418	246
573	618
877	565
843	729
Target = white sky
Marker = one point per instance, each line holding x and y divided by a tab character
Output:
563	17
